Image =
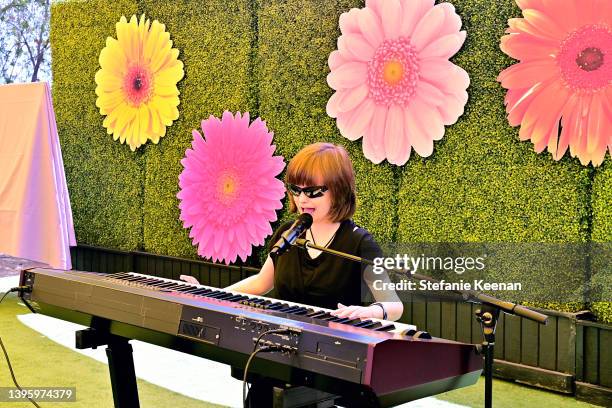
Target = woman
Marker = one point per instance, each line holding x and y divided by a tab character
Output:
321	181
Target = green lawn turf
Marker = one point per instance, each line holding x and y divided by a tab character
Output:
39	362
511	395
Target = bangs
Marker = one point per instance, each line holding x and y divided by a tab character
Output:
307	172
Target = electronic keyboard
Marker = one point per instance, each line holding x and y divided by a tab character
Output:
369	362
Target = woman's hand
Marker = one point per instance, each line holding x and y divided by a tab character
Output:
353	312
189	279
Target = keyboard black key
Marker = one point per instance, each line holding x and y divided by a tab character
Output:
224	296
244	299
118	275
387	327
351	322
372	325
262	305
276	306
362	323
174	286
156	284
136	279
194	291
235	298
183	288
300	312
201	292
289	309
133	278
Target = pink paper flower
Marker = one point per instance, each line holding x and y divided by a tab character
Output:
394	83
229	190
564	77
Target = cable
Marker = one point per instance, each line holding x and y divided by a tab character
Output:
271	331
263	349
8	361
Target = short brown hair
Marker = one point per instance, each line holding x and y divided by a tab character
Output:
331	164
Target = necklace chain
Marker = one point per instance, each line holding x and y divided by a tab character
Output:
328	242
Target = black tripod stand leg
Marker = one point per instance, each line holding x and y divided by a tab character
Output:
488	350
122	374
487	317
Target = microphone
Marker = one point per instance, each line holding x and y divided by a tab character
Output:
303	222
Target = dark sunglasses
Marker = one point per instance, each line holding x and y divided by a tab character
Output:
310	192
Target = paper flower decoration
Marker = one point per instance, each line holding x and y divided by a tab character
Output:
394	83
136	85
228	188
564	77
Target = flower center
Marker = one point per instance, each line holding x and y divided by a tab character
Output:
590	59
138	85
393	73
584	58
227	188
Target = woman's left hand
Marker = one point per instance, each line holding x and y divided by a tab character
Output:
354	312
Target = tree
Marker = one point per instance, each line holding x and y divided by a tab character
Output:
24	40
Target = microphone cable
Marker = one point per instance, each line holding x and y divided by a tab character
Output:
8	361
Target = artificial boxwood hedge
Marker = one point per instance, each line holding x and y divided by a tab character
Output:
601	270
105	180
269	57
215	40
483	185
295	38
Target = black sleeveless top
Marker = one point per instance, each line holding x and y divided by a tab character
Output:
325	280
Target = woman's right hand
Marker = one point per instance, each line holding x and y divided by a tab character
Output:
189	279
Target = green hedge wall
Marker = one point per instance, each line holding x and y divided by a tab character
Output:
269	57
295	38
483	185
105	180
602	237
215	39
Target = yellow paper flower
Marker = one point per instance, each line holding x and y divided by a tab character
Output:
136	85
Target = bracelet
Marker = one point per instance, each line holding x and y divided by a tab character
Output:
382	307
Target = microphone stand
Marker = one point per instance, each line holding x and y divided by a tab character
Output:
487	315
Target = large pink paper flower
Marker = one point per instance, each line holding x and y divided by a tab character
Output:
229	190
394	83
564	77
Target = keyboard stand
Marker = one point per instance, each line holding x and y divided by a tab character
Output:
294	397
284	395
120	362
